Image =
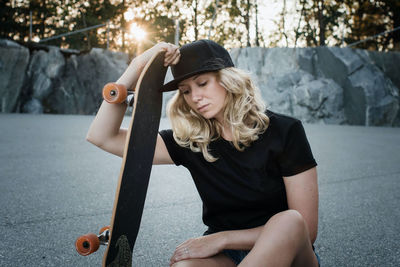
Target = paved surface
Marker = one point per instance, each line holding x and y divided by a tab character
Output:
55	186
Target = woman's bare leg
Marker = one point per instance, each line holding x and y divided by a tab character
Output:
219	260
284	241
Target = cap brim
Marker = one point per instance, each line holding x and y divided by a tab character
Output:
173	85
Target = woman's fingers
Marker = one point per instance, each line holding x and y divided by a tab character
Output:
182	252
172	54
172	60
176	60
179	255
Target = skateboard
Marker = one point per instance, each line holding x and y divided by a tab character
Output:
137	162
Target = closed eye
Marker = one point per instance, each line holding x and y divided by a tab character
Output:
203	84
184	92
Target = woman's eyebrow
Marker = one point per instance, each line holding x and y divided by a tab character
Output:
193	78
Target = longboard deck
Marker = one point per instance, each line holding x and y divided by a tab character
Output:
136	164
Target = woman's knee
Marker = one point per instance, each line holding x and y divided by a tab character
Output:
185	263
219	260
291	221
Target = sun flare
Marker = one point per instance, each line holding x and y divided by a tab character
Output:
137	32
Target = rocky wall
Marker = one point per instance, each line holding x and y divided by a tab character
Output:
327	84
317	85
52	81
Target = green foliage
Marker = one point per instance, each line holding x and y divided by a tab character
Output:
319	19
227	23
342	22
369	18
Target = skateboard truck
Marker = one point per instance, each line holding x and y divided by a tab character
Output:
89	243
115	93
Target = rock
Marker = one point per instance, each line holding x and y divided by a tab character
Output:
78	89
388	63
43	68
364	86
14	60
322	99
289	85
324	84
317	85
33	106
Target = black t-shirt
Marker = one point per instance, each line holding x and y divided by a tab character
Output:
243	190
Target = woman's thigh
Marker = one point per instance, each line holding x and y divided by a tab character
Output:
219	260
284	241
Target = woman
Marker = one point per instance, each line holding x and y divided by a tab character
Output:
254	169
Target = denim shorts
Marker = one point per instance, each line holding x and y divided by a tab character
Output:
238	255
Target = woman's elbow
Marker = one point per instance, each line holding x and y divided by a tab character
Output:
93	140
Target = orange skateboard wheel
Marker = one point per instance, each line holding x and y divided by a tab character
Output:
87	244
114	93
104	229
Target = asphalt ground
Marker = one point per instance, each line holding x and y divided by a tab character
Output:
55	186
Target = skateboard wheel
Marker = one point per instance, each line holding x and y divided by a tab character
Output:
87	244
114	93
104	229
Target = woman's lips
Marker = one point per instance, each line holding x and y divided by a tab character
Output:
202	108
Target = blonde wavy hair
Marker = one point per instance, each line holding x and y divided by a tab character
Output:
244	111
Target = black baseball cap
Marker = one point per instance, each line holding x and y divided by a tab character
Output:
198	57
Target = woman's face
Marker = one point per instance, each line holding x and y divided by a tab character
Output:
204	95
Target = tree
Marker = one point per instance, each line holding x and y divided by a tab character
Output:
9	20
392	9
229	23
257	42
374	18
240	13
15	18
319	20
365	19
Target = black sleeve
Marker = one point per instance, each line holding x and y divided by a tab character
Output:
297	156
176	152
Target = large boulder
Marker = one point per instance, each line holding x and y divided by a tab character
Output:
14	60
48	79
326	84
288	84
44	68
78	89
388	63
370	97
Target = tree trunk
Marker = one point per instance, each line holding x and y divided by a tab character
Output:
257	39
43	19
395	8
87	33
298	32
123	25
247	22
283	24
321	22
196	30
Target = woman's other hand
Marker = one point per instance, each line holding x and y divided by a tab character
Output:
200	247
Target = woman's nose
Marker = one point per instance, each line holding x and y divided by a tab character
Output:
196	95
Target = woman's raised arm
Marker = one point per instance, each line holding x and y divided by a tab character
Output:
105	130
